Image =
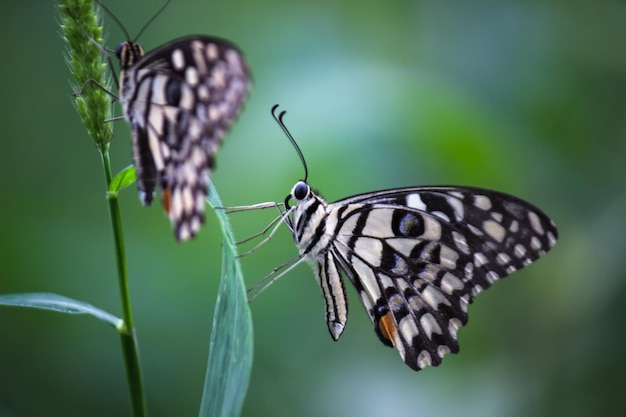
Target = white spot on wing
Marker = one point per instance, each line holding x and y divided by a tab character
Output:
408	328
165	150
551	239
497	216
476	289
218	76
385	281
178	59
403	246
494	229
415	201
492	276
188	203
450	283
369	250
155	148
187	99
158	91
432	228
448	257
184	232
480	259
212	52
423	359
464	302
203	92
460	242
535	243
367	278
457	206
475	230
379	223
197	48
198	157
535	223
195	129
430	325
213	112
155	121
503	258
453	327
176	208
191	76
482	202
195	224
442	350
433	297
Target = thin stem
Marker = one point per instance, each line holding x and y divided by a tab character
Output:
82	32
127	333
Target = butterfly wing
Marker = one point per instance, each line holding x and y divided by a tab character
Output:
418	257
180	100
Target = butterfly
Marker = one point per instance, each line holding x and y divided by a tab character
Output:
180	100
417	256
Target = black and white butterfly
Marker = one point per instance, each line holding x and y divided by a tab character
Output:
180	100
417	256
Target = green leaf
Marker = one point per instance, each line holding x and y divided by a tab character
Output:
59	303
123	179
230	348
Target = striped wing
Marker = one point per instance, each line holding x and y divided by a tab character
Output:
418	257
180	100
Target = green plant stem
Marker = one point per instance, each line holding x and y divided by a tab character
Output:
127	331
82	32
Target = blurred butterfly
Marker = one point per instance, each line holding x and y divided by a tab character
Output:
417	256
180	100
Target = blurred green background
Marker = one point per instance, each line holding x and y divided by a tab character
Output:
526	97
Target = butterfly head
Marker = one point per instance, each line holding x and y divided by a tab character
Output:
129	53
300	192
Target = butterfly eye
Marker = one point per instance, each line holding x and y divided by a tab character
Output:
300	190
118	50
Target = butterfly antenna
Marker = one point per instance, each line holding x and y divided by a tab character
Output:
279	120
152	19
119	23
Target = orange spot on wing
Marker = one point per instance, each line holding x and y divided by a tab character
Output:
388	328
165	198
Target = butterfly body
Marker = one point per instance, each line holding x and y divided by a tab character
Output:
417	257
180	99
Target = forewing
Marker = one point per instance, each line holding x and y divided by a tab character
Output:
186	95
418	257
